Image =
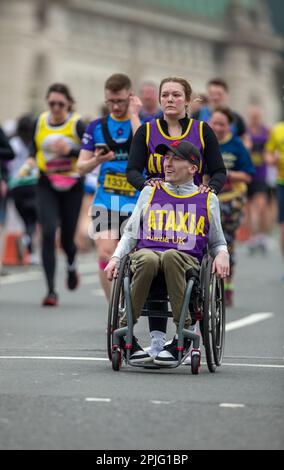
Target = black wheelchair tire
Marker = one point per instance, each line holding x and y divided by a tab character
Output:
116	360
206	327
113	309
218	323
195	364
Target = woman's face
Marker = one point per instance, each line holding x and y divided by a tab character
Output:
220	125
173	100
58	105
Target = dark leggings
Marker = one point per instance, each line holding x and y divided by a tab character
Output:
25	201
158	324
58	209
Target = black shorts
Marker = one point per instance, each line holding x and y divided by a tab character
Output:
257	187
106	220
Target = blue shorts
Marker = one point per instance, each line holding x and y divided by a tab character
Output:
280	198
3	210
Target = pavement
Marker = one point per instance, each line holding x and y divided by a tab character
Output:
58	389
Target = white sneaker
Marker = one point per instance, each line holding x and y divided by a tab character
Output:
157	345
187	360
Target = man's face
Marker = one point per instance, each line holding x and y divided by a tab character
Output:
177	170
217	96
149	97
118	102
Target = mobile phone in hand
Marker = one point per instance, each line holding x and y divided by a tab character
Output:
103	147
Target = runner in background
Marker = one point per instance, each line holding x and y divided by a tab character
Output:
232	197
23	190
56	146
106	144
149	96
199	101
275	157
218	95
257	205
6	154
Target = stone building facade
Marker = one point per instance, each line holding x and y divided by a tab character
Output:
82	42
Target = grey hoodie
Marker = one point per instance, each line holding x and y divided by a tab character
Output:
216	240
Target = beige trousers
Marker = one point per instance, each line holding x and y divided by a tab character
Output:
145	265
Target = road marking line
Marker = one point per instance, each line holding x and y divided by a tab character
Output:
37	275
98	293
249	320
231	405
255	357
104	359
23	277
57	358
268	366
159	402
103	400
90	279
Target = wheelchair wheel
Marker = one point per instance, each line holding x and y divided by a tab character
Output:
116	359
218	319
195	364
206	324
116	307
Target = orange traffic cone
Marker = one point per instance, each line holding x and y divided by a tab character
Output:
243	233
12	255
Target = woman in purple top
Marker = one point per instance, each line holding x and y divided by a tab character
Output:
145	166
258	208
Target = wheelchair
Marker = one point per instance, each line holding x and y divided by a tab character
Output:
204	298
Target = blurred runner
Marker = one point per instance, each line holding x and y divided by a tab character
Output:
218	95
56	146
149	96
23	189
232	197
257	189
146	166
106	144
275	157
6	154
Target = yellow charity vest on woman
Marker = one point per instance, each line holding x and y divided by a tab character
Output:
45	137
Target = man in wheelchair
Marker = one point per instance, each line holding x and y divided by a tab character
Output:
170	229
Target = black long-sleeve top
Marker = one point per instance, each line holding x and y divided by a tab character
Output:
212	155
6	153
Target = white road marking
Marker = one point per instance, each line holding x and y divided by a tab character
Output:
103	400
104	359
56	358
21	277
158	402
37	275
98	292
231	405
267	366
249	320
90	279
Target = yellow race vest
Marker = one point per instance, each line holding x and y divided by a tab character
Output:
46	135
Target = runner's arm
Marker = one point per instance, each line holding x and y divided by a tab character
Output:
137	159
131	232
215	167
